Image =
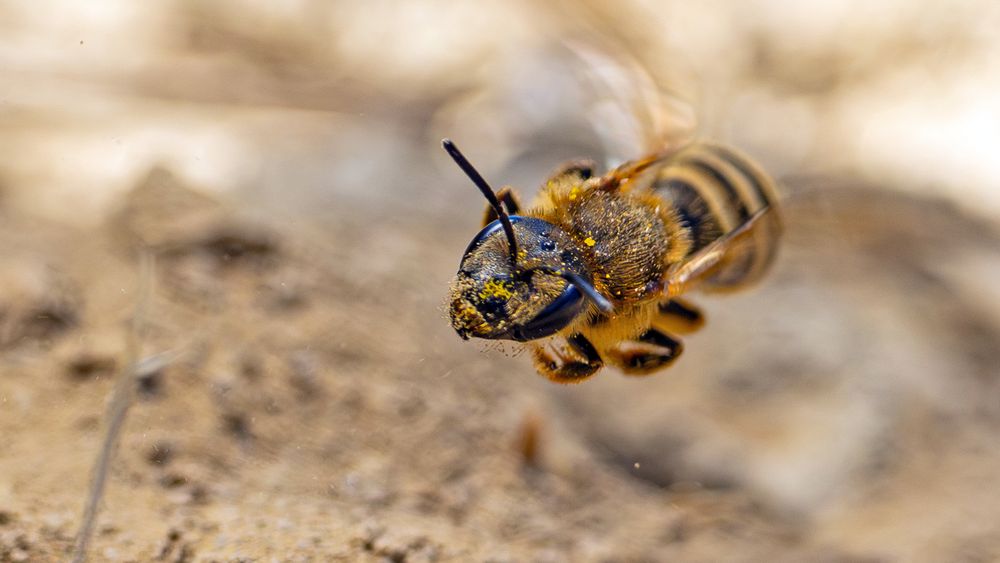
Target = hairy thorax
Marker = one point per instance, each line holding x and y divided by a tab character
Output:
626	238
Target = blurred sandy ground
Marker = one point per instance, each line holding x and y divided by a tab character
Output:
317	112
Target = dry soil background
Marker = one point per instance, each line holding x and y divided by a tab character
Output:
310	401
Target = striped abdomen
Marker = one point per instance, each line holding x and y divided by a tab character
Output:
714	191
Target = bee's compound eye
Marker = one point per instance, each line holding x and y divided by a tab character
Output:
548	245
555	316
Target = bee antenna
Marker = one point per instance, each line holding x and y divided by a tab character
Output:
484	187
588	289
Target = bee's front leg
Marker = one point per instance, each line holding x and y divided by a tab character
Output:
510	200
652	351
566	369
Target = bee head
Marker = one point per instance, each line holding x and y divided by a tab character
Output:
521	278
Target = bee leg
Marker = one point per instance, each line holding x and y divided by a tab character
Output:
678	316
566	369
511	202
652	351
582	168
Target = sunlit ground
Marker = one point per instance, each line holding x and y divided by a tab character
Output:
844	410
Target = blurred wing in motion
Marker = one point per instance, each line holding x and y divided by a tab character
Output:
549	101
631	114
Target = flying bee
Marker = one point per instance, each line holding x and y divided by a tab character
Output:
592	272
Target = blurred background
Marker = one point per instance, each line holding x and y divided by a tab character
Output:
283	164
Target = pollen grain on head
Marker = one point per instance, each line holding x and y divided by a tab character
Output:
496	289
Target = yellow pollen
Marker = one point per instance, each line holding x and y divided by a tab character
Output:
574	193
467	314
496	289
589	241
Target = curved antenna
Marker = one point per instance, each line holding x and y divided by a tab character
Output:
581	283
589	291
491	197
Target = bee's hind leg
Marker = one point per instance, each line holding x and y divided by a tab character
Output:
652	351
581	168
511	202
677	316
566	369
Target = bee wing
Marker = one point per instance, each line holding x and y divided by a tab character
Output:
630	112
706	261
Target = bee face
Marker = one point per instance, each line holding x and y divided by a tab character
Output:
492	297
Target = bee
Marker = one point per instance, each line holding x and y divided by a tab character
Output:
592	273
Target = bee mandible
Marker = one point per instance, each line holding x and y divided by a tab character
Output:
592	272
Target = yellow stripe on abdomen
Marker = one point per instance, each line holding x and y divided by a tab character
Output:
715	190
